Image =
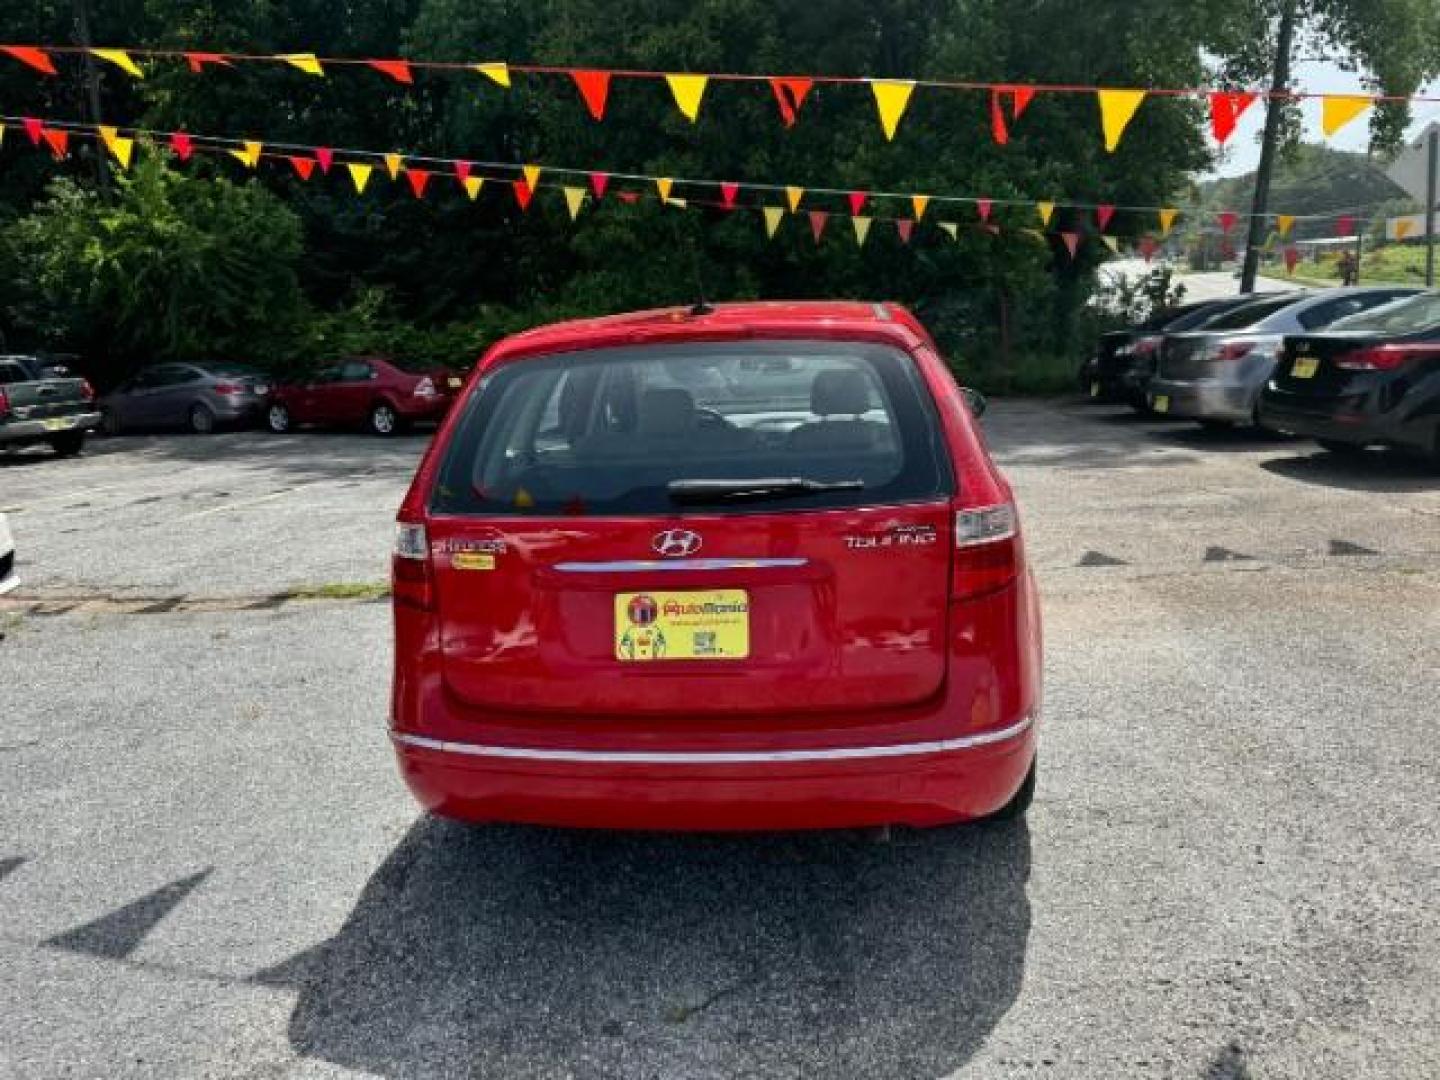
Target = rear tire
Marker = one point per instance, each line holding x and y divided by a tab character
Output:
1342	448
1021	800
202	420
277	419
384	420
68	445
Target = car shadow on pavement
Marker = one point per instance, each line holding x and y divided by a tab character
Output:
522	952
1388	471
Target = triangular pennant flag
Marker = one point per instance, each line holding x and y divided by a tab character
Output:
919	202
1020	98
1337	110
324	155
599	181
399	70
773	214
2	134
462	171
793	195
532	176
950	228
1344	226
1112	243
59	142
574	199
181	143
982	207
1292	256
117	144
306	62
1167	220
818	218
198	60
1148	247
472	185
121	59
1072	242
34	128
1403	228
594	88
904	226
1046	210
892	97
418	178
790	93
1284	223
38	59
857	201
360	174
663	184
728	191
1103	213
687	91
1227	219
393	162
498	73
862	228
1226	108
303	166
998	130
249	152
523	194
1117	108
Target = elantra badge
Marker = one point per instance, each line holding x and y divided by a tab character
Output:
676	543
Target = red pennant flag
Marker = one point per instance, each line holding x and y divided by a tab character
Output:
982	207
303	166
728	191
599	181
399	70
630	197
1020	99
59	142
1345	226
904	226
1148	247
1072	242
324	155
182	145
198	60
594	88
1292	256
818	218
998	131
462	171
857	201
38	59
418	179
790	93
1226	107
523	194
1103	213
1227	220
35	129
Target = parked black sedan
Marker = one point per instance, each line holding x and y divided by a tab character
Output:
200	397
1371	379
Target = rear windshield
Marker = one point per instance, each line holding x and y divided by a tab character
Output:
1198	315
605	432
1249	314
1401	317
12	371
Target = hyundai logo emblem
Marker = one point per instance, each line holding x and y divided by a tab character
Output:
676	543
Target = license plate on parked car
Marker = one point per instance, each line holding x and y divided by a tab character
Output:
453	383
1094	389
1161	403
705	625
1304	367
262	388
59	425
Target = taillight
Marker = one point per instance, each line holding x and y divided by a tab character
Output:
425	387
87	392
411	582
1235	350
988	554
4	403
1145	346
228	388
1383	357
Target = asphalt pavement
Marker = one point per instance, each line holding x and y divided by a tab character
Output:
209	868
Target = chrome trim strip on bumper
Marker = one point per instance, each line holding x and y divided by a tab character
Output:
719	757
634	565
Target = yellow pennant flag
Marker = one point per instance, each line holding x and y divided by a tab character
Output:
1337	110
305	61
1167	220
793	195
574	199
1117	108
919	202
951	229
117	144
121	59
663	184
2	134
773	214
1046	211
392	164
1284	223
687	91
1403	228
532	176
360	174
473	184
249	153
892	97
862	229
498	73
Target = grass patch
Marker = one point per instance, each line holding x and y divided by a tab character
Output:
1394	264
341	590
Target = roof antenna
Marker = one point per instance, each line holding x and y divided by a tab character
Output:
701	305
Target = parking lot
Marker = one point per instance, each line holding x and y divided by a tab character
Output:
209	866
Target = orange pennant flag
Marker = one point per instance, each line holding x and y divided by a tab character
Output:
1284	223
1117	108
793	195
392	164
892	97
121	59
687	91
1403	228
1167	220
1337	110
919	202
532	176
663	185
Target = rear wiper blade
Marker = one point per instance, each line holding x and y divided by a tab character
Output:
764	487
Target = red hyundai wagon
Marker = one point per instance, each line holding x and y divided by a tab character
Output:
748	567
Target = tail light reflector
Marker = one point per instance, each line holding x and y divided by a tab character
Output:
1235	350
1146	346
425	387
1383	357
411	580
988	553
87	392
228	388
4	403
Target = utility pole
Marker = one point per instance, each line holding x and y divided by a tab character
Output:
1279	87
1432	144
92	91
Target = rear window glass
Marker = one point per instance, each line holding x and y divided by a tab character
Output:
1248	315
606	432
12	372
1198	316
1403	316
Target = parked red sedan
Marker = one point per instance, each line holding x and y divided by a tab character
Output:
368	392
749	567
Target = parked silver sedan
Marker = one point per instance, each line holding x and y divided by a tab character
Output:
1215	374
200	397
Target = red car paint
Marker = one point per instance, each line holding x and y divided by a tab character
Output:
888	681
345	394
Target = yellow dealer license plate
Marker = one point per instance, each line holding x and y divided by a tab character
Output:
1304	367
706	625
59	425
1094	389
1161	403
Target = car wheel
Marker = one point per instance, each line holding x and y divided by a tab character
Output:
202	420
384	420
277	418
1021	800
109	422
1339	446
69	444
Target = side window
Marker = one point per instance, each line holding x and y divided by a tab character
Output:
12	373
1326	313
356	371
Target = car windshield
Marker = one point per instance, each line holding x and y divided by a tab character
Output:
621	431
1401	317
1247	314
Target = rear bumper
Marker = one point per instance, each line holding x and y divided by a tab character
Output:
909	783
1339	423
36	431
1202	400
423	408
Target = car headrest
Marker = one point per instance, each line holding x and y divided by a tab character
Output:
839	393
666	412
